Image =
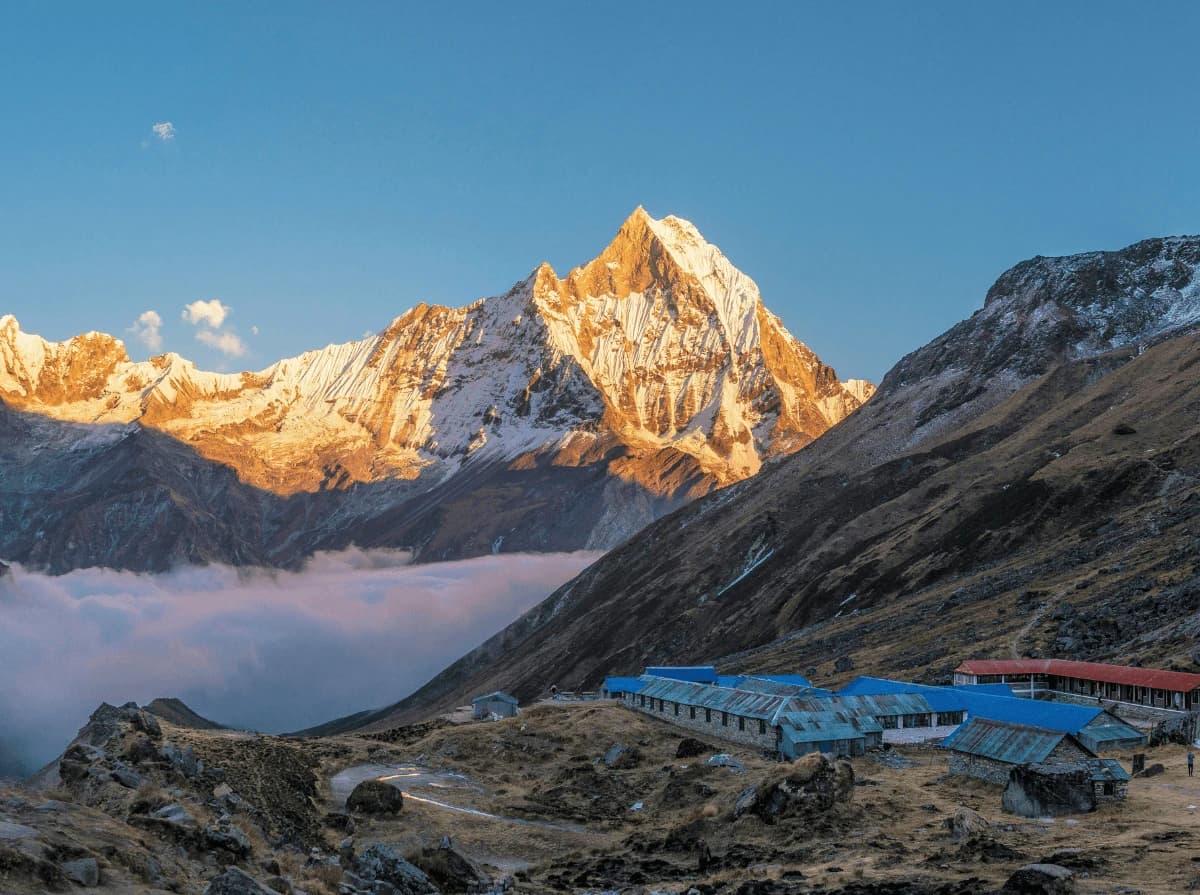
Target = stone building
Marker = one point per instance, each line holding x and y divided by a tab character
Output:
1054	790
498	704
989	750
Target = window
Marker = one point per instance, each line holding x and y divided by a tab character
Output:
947	719
677	708
642	700
920	720
1110	789
692	712
762	727
724	719
887	722
708	716
662	705
741	723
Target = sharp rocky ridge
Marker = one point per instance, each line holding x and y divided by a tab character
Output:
641	380
1045	446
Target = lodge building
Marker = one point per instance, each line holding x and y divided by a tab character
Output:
1151	688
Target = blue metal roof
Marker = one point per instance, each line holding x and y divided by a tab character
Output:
709	696
623	684
700	674
729	680
798	679
877	706
820	727
779	688
1056	716
1009	743
498	696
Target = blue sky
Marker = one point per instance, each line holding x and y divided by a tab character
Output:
873	166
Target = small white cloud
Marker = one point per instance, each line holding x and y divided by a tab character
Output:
164	130
209	313
254	330
227	343
147	330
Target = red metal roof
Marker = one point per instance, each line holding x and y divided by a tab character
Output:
1179	681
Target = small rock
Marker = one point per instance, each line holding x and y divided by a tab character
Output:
279	884
1040	879
1153	770
236	882
85	871
337	820
843	664
966	825
221	790
127	777
380	863
690	747
227	837
375	797
746	801
621	757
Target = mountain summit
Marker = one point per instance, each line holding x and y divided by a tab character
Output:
647	377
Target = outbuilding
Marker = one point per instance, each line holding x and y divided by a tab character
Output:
989	750
498	705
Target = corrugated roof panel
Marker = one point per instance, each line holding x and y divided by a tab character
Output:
700	674
797	679
1009	743
735	702
623	684
1179	681
1058	716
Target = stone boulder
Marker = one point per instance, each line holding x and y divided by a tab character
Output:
381	863
621	757
85	871
966	825
236	882
1040	879
690	747
228	838
375	797
450	871
843	664
812	785
1048	790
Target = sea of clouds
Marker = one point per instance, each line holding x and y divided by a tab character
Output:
261	649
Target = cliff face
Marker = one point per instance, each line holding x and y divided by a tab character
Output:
1041	453
644	379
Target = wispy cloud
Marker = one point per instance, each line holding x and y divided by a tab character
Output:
147	329
164	130
229	344
271	650
207	313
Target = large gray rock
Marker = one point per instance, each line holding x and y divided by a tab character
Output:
85	871
619	756
450	871
966	825
381	863
227	837
375	797
236	882
1040	879
812	785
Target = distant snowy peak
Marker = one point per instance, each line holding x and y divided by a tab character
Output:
659	349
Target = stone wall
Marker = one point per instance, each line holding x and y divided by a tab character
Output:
1067	751
1037	791
768	742
977	766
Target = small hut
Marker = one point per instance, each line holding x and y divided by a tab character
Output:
493	705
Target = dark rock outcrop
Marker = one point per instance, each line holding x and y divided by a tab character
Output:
690	747
235	881
375	797
381	863
1040	879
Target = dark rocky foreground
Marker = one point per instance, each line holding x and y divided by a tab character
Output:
140	805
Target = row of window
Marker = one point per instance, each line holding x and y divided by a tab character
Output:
661	706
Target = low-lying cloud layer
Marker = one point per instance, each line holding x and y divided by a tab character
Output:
267	650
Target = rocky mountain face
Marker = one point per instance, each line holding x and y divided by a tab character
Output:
565	413
1027	482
